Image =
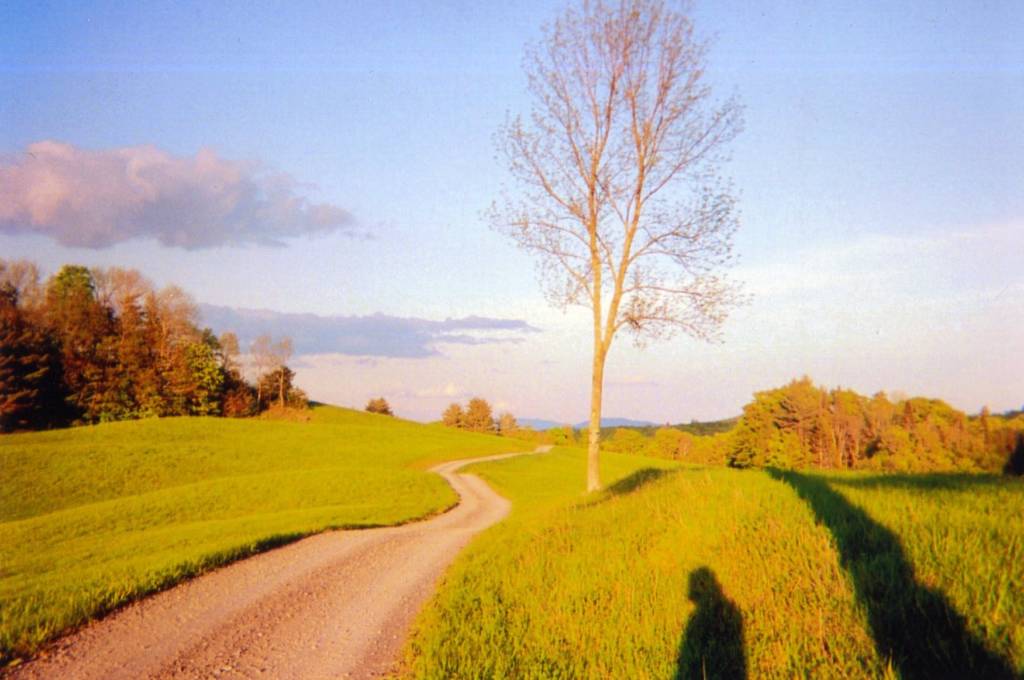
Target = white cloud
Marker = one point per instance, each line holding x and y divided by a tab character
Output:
94	199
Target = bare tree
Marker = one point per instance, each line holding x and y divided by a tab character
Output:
23	276
119	288
282	352
619	163
263	361
507	425
229	351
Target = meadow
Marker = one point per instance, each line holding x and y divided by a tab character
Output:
93	517
714	572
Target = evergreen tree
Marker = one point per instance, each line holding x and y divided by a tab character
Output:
30	378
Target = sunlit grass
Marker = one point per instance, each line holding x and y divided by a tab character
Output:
92	517
619	585
962	537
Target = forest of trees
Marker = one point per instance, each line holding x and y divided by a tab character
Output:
669	442
802	425
96	345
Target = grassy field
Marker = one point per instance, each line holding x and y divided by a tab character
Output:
723	573
93	517
938	561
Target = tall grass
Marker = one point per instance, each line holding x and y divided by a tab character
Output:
938	560
93	517
688	573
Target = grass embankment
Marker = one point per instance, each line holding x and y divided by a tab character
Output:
726	573
93	517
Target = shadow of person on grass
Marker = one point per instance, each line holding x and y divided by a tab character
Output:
712	644
914	626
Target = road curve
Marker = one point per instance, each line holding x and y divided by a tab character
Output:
335	605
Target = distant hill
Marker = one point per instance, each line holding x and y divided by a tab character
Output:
541	424
646	427
693	427
616	422
538	424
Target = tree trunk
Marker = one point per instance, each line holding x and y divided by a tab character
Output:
594	434
281	388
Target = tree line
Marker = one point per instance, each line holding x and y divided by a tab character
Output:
477	416
801	425
97	345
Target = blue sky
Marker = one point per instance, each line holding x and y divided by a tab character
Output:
880	174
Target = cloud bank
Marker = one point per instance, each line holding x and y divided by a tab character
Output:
94	199
378	335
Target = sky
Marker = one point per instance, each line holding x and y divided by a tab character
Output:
880	175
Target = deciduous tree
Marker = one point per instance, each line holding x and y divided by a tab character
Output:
478	417
453	415
282	352
379	405
619	164
81	326
507	425
23	276
262	352
293	397
626	440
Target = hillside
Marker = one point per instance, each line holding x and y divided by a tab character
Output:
93	517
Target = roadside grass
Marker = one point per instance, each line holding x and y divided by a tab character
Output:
691	572
93	517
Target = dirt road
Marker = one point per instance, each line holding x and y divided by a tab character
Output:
335	605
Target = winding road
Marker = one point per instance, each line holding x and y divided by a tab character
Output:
335	605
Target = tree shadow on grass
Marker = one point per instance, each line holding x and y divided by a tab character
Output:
933	481
712	644
631	483
626	485
914	626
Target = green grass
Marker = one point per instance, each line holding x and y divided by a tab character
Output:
93	517
671	572
939	562
719	573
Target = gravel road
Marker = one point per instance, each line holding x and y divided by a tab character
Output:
335	605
